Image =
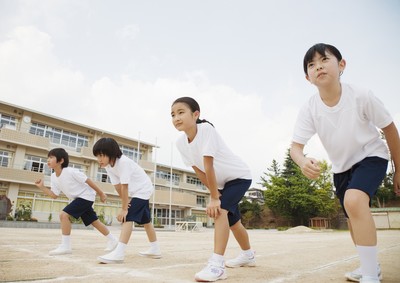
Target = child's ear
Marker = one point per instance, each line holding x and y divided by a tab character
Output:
307	78
342	65
61	161
197	114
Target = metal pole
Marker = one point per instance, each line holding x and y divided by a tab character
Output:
154	182
138	154
170	192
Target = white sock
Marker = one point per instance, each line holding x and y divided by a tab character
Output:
111	237
249	253
368	260
154	246
66	241
217	258
120	249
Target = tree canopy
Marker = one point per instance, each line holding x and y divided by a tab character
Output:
294	196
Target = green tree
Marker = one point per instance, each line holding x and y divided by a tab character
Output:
385	192
290	194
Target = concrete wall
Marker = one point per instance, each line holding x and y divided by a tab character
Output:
387	219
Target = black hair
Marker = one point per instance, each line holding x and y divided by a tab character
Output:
320	48
193	105
108	147
60	153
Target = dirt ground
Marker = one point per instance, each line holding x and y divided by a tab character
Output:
297	255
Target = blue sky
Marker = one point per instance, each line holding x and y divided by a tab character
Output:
118	65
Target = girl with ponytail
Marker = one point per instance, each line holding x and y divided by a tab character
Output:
227	178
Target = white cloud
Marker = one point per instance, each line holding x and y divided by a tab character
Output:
33	77
128	32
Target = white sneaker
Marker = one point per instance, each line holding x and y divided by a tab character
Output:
369	279
212	272
111	245
151	253
241	260
61	250
355	275
111	258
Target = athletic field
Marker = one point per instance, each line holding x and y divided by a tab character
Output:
296	255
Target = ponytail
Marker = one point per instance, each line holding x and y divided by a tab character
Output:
199	121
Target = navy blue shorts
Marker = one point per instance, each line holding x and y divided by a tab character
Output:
139	211
82	208
366	176
231	195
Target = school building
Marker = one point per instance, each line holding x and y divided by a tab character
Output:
27	135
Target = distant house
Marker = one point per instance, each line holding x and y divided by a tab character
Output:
255	195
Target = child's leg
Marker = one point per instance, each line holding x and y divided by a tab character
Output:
154	250
151	233
101	227
351	231
221	232
65	223
112	241
241	235
126	232
362	224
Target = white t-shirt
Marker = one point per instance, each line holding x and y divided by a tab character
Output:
127	171
208	142
348	130
72	183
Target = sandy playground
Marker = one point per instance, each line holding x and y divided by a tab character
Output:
296	255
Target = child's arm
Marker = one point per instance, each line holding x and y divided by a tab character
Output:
91	184
123	193
393	142
40	184
118	189
210	180
309	166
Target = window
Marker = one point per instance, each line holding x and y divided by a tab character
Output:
37	164
7	120
162	216
102	176
131	152
201	201
59	136
195	181
4	158
166	175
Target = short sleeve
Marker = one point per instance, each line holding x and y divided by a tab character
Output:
376	112
209	147
304	128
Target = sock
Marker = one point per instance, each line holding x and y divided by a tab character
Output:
154	246
111	237
120	249
249	253
66	241
368	260
217	258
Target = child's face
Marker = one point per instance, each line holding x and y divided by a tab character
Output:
183	118
52	162
323	70
103	160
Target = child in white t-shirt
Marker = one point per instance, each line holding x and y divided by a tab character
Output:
346	119
82	191
227	178
130	181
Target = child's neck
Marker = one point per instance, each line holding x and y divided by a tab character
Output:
58	171
331	94
191	134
